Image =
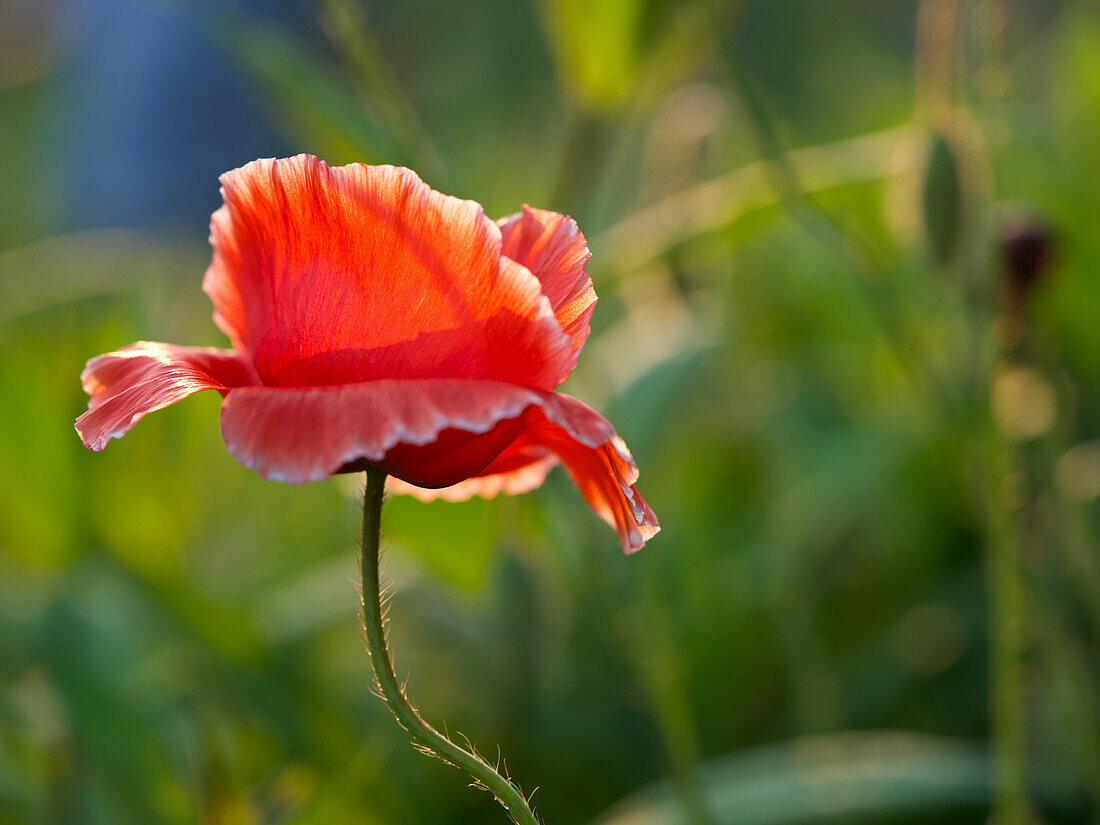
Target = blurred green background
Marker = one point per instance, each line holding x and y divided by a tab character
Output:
848	258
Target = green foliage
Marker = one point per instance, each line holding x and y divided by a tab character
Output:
598	46
458	544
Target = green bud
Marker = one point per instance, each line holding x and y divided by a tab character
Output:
942	201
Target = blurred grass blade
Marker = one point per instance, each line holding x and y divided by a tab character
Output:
305	90
846	777
346	25
716	203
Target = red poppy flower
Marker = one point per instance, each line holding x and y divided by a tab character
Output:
375	321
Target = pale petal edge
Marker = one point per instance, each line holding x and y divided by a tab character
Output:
125	385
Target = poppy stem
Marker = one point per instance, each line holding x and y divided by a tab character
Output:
423	736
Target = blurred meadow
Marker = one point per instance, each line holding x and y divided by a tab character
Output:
848	261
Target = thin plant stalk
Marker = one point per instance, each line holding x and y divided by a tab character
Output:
423	736
1008	608
938	58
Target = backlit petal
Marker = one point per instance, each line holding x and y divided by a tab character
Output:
605	477
553	248
520	469
125	385
335	275
434	433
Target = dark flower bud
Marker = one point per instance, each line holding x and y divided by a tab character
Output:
1027	251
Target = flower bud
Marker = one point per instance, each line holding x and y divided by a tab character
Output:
942	201
1027	250
1026	253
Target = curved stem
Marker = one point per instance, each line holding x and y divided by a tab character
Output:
423	736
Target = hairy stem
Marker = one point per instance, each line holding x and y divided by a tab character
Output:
422	735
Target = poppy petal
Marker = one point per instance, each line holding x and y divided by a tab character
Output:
520	469
605	476
336	275
552	247
126	384
434	433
